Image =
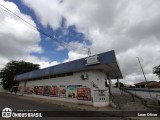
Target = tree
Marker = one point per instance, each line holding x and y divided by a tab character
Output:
13	68
121	84
156	70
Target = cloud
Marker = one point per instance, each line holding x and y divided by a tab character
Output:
50	16
43	62
79	51
72	55
16	38
3	61
129	27
145	29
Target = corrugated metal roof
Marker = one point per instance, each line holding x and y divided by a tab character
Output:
106	58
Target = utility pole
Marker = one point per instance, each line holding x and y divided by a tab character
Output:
143	74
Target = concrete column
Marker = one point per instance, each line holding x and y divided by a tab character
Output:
25	82
106	83
110	88
110	84
118	83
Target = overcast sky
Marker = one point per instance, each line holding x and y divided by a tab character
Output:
130	27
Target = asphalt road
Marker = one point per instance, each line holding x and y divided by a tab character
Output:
62	113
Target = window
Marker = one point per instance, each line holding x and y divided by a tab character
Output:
61	75
69	74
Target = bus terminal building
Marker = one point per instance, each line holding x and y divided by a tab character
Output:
82	81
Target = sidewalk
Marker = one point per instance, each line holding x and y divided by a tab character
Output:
67	104
80	107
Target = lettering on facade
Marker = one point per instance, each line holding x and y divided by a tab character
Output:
92	60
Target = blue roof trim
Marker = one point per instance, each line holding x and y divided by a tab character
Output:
76	65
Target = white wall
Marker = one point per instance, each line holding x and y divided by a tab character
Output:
146	94
94	76
97	77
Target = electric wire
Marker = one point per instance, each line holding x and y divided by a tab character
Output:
60	42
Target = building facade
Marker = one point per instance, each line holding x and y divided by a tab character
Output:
83	81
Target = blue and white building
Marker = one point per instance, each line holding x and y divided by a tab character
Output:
83	81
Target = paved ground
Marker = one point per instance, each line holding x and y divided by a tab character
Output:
16	102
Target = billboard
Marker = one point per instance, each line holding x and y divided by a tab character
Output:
28	90
84	94
46	90
62	91
35	90
40	90
54	91
72	91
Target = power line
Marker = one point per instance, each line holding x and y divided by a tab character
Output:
62	43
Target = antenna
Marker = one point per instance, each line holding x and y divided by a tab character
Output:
89	52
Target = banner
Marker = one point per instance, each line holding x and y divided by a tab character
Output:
72	91
35	90
28	90
54	91
46	90
62	91
84	94
40	90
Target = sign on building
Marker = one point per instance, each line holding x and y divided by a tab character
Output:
72	91
92	60
46	90
84	94
40	90
62	91
54	91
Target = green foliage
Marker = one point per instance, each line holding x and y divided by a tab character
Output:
121	84
13	68
156	70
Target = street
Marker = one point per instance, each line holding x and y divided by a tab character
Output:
14	102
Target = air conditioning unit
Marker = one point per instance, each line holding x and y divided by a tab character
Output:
84	76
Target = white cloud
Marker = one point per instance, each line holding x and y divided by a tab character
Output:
43	62
47	16
76	50
3	61
130	27
72	55
16	38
